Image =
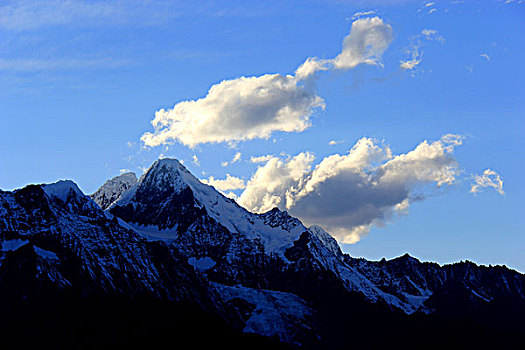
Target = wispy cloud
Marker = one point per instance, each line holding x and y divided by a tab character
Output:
427	8
415	49
360	14
335	142
485	56
489	178
196	160
236	157
260	159
36	65
28	15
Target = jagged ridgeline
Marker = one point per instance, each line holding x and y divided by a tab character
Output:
168	258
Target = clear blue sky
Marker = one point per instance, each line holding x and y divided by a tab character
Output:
81	82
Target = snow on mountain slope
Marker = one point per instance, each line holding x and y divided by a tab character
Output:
111	190
321	251
93	253
270	313
71	242
62	190
69	195
416	284
169	203
168	195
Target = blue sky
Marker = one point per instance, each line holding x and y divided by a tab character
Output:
80	84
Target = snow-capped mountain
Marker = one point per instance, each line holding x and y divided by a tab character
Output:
110	191
169	198
169	237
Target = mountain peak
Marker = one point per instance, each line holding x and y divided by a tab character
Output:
406	258
112	189
69	195
169	197
163	197
62	189
169	164
168	161
168	173
130	176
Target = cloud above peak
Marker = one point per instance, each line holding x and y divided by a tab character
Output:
349	193
250	108
237	110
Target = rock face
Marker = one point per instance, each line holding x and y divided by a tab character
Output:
170	238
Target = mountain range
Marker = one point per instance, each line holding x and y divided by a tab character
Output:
166	258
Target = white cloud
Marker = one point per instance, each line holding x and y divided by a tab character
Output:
224	164
274	181
335	142
363	14
236	157
231	195
485	56
368	39
230	183
196	160
311	66
260	159
234	110
347	194
489	178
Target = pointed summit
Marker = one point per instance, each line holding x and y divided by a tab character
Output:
406	259
168	174
162	198
111	190
169	197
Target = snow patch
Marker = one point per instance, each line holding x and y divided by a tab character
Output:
328	241
275	313
61	189
202	264
150	232
12	245
46	254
